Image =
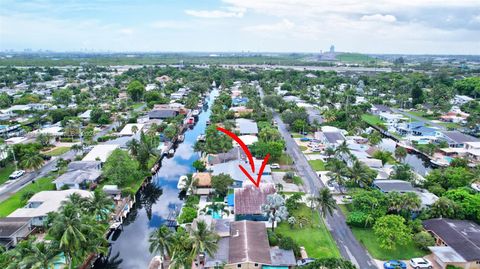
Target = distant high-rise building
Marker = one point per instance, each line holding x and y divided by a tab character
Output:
332	48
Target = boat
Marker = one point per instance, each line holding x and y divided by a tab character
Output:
182	182
181	138
195	112
208	122
171	152
201	137
190	120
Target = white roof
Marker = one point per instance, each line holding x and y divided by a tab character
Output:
53	130
101	152
248	139
446	254
475	145
50	201
15	140
127	130
86	114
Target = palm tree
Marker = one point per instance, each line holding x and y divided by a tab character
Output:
326	202
384	156
275	209
343	151
43	256
400	153
410	203
181	250
362	174
16	255
77	147
134	129
100	205
329	152
31	160
395	201
204	240
133	146
160	241
374	138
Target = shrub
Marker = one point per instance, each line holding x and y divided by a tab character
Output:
188	215
423	240
27	195
359	219
272	238
288	243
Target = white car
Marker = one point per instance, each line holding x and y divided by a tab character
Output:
275	166
420	263
17	174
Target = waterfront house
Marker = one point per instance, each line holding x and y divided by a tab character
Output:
377	109
79	175
100	153
246	126
249	200
203	183
400	186
13	230
231	168
456	139
457	242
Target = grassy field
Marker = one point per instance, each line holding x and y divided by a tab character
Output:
15	201
372	119
285	159
5	172
317	165
303	148
57	151
315	237
368	239
297	135
354	57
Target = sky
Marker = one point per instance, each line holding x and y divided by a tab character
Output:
366	26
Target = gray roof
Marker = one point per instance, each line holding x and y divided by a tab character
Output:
221	255
333	137
8	226
459	137
382	108
75	165
248	243
231	168
78	176
282	257
390	185
162	114
247	126
461	235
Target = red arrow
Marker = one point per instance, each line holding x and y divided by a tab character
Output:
259	176
240	142
249	156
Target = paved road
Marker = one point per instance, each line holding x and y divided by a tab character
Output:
348	245
8	190
416	118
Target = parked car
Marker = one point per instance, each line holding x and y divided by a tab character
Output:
275	166
394	264
304	262
17	174
347	199
420	263
304	139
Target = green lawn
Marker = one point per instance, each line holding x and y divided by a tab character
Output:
315	237
15	201
368	239
285	159
57	151
372	119
317	165
5	172
303	148
354	57
297	135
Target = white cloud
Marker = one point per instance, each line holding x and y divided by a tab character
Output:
379	18
169	24
275	27
215	14
126	31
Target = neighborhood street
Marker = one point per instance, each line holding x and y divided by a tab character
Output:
348	245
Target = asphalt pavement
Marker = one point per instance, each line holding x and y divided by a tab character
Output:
348	245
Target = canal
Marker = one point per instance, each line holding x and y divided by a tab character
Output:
418	163
129	246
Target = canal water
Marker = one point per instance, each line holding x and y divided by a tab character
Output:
418	163
129	246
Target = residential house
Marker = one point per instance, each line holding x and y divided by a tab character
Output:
249	200
400	186
123	205
100	153
457	242
330	138
377	109
246	126
455	116
85	116
240	110
13	230
239	101
128	130
79	175
163	112
203	183
43	203
461	100
456	139
247	246
232	168
416	128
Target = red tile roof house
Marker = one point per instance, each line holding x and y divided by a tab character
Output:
249	200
